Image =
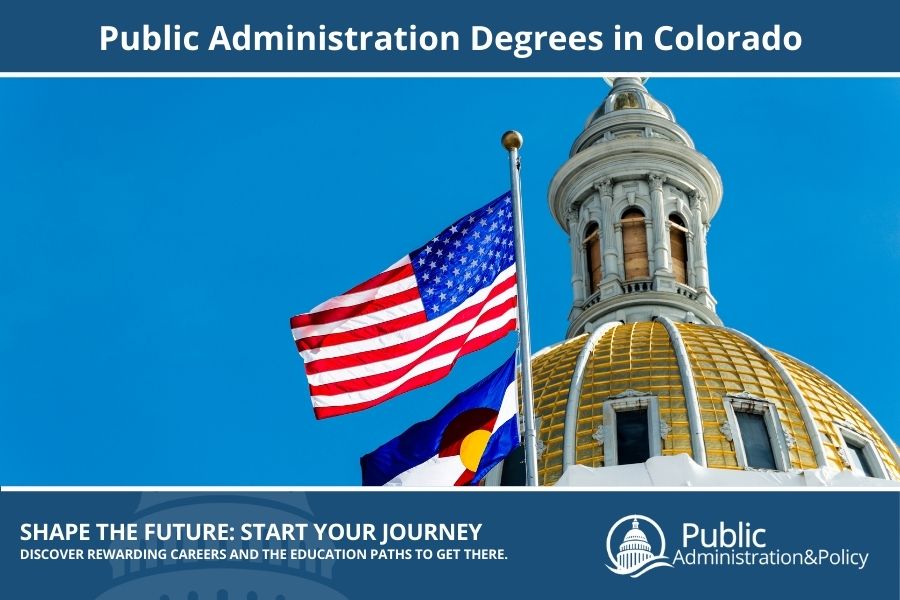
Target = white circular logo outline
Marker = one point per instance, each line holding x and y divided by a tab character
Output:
662	538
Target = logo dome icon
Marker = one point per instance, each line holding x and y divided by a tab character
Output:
635	556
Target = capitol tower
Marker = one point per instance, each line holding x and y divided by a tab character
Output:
650	387
634	549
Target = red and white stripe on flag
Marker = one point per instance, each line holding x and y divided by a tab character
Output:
407	326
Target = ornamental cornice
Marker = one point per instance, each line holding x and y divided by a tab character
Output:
633	158
604	129
605	310
630	393
745	395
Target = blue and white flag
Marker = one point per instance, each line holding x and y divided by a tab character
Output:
459	445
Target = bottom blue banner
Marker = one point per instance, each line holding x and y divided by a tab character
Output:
442	544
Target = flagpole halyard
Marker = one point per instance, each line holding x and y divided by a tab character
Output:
512	141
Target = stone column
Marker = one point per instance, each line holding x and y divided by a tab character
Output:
651	260
661	250
698	228
691	259
620	249
607	230
575	242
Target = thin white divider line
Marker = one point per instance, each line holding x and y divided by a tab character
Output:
431	74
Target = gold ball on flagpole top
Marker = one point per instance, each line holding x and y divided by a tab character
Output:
511	139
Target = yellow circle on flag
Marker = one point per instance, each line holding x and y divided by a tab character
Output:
472	448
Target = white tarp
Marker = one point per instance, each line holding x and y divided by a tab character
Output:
681	471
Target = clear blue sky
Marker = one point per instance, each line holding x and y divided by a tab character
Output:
156	235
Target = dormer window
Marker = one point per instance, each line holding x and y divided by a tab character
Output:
859	453
753	426
858	460
632	436
755	440
632	430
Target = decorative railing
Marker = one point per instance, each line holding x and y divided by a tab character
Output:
642	285
631	287
592	300
686	291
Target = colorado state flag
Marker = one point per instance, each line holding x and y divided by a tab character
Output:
460	444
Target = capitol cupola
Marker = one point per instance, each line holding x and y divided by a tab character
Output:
636	199
649	388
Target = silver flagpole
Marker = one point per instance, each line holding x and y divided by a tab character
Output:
512	141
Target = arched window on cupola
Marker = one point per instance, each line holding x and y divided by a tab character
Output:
634	244
678	243
594	257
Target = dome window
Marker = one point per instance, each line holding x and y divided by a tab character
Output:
858	453
755	430
755	440
594	257
678	244
858	459
626	100
634	245
632	436
631	428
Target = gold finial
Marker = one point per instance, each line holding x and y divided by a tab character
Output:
511	139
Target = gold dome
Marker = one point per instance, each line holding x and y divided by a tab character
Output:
722	365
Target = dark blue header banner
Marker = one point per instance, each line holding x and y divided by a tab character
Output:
479	544
414	37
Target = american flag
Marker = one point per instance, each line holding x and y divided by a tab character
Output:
407	326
